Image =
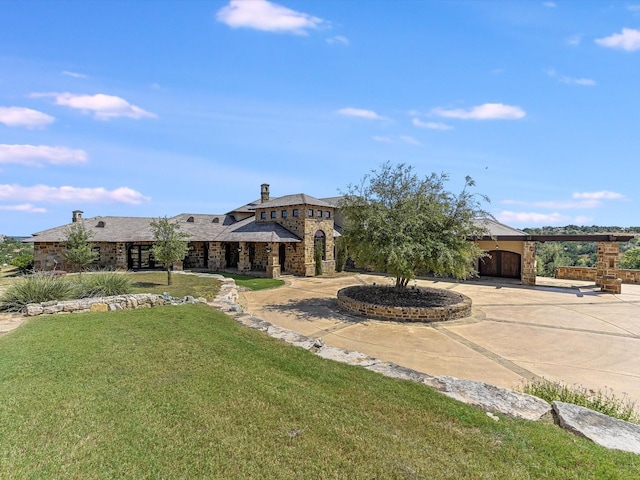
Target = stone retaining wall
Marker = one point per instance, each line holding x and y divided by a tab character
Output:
405	314
589	274
104	304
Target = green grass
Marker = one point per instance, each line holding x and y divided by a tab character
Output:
185	392
603	401
183	285
253	283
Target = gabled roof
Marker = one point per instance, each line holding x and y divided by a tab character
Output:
295	199
103	229
496	229
333	201
249	230
246	208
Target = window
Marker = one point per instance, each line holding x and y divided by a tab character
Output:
319	214
96	250
284	214
273	214
310	213
100	224
296	212
190	219
263	215
216	220
327	214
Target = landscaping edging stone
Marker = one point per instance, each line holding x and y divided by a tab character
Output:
104	304
601	429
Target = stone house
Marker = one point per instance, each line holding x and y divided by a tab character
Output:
271	236
268	236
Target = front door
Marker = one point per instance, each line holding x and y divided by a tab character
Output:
282	254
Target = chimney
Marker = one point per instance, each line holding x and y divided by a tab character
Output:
264	193
77	216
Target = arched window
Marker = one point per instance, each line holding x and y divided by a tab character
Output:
100	224
216	220
190	219
320	242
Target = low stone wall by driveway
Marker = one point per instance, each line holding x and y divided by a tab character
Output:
104	304
589	274
601	429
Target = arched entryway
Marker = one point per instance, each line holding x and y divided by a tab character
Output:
282	250
320	243
500	263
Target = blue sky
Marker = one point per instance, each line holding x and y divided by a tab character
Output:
157	108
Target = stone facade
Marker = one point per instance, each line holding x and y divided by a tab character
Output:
607	267
529	264
305	221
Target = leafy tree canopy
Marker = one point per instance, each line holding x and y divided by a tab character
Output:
170	243
631	258
78	249
406	226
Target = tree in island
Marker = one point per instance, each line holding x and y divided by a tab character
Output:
406	226
78	248
170	243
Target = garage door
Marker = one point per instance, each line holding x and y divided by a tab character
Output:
500	264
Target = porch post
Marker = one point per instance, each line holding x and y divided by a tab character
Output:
607	267
243	257
273	263
528	268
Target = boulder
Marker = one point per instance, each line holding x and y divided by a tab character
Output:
606	431
491	398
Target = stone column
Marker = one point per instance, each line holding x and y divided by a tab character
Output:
607	267
243	257
528	267
273	264
121	256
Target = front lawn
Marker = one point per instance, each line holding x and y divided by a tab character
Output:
186	392
253	283
182	285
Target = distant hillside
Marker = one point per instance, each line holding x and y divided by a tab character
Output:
578	230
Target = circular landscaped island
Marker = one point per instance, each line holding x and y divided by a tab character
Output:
404	305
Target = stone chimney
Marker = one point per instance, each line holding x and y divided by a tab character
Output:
77	216
264	193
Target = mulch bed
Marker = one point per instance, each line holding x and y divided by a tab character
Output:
406	297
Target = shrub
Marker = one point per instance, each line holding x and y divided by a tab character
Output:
341	256
317	256
102	284
37	288
603	401
24	262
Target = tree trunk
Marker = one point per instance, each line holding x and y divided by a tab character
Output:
401	282
169	281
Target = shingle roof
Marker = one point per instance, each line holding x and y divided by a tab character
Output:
249	230
295	199
113	229
496	228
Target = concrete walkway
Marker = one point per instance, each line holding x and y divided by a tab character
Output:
561	330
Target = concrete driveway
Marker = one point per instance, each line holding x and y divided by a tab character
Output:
560	330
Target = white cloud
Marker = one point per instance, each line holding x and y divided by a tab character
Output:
550	4
104	107
487	111
338	39
585	82
532	218
557	204
628	40
431	125
382	139
25	207
360	113
266	16
74	74
45	193
34	155
24	117
634	8
601	195
410	140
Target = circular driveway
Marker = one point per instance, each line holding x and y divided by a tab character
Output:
561	330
